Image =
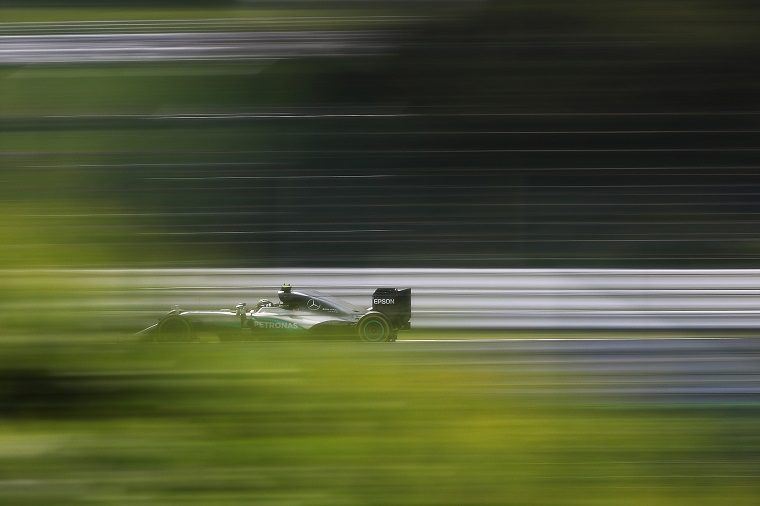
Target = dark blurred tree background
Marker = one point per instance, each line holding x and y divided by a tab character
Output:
559	133
506	134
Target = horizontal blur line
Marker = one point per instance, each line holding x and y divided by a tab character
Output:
203	20
592	222
433	223
189	213
367	197
162	373
272	232
475	151
525	132
230	116
156	152
281	116
248	213
399	132
600	236
450	205
486	233
416	240
271	36
618	113
409	187
501	223
576	223
640	194
423	170
180	178
403	235
722	185
175	267
580	169
165	164
556	193
157	58
571	338
287	115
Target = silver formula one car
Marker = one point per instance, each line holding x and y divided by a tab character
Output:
298	314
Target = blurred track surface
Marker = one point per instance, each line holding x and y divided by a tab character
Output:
698	370
706	370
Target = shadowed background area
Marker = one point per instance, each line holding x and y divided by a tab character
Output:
543	166
488	134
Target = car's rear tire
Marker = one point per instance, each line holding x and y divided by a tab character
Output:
374	328
175	328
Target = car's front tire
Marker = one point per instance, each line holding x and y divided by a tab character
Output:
175	328
374	328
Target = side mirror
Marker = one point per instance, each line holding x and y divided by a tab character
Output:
240	310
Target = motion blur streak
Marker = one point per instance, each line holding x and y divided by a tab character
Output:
228	24
569	188
181	46
632	299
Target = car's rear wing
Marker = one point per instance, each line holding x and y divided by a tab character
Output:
395	304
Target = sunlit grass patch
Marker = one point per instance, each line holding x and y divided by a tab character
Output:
342	424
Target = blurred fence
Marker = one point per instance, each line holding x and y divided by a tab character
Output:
442	298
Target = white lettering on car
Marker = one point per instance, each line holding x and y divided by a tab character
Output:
384	301
275	325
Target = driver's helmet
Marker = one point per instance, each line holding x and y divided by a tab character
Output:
264	303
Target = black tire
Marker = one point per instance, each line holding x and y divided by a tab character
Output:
175	328
374	328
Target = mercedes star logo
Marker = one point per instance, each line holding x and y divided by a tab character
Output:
313	305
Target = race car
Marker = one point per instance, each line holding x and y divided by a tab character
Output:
298	314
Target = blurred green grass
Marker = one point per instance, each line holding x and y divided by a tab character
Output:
150	88
327	424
